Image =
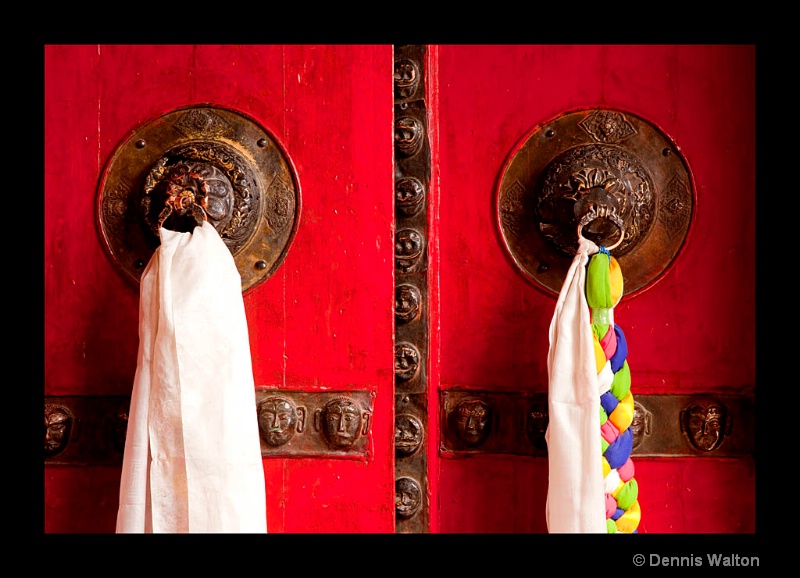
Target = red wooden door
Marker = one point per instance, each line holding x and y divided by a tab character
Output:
324	321
692	333
321	324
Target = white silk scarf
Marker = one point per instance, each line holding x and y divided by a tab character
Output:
575	495
192	460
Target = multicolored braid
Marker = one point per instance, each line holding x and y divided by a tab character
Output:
604	286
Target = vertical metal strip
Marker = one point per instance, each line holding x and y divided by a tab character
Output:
412	181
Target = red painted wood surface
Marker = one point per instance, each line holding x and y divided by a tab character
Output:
692	332
323	321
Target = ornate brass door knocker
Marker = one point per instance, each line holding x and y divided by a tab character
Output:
200	164
608	175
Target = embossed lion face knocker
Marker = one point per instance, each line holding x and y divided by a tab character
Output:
203	185
187	193
603	175
193	166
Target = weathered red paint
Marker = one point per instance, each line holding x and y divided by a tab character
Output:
324	320
691	332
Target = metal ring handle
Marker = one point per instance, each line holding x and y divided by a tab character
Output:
604	211
182	201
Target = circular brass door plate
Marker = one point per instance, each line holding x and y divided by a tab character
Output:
582	160
252	186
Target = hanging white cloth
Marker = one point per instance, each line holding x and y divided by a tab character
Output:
575	495
192	460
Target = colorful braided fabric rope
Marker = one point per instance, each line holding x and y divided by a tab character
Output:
604	287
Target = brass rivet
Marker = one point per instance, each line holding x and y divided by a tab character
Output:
261	265
140	144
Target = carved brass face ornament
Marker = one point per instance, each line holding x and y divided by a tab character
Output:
606	175
705	424
342	422
279	419
471	421
57	429
199	164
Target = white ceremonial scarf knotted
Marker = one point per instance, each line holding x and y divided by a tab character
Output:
192	460
575	494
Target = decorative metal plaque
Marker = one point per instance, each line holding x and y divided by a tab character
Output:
595	162
477	422
85	430
330	424
211	164
91	430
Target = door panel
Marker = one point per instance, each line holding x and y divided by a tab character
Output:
681	332
321	323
